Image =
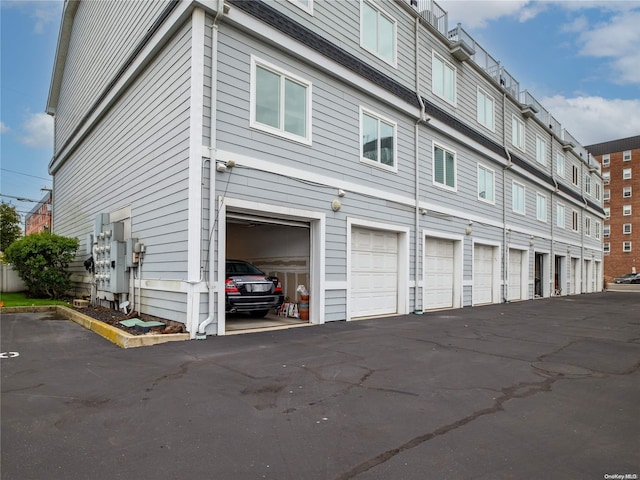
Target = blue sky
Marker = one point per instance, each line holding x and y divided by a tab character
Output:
579	59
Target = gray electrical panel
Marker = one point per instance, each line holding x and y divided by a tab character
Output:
110	253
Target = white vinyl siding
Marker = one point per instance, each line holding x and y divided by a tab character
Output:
280	102
443	81
377	140
485	109
518	200
378	32
486	184
444	167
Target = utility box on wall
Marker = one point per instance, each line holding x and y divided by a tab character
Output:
110	252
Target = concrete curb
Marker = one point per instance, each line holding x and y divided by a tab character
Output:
111	333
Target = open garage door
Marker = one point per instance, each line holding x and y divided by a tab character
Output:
483	274
374	272
439	276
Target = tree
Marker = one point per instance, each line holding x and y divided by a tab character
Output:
41	260
10	229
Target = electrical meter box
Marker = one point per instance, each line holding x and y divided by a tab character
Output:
110	253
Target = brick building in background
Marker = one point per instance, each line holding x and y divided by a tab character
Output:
620	160
39	218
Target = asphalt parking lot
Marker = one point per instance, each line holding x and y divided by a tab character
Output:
541	389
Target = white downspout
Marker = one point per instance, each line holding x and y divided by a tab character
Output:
211	285
505	246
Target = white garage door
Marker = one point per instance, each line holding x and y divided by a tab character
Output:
515	275
374	272
438	280
482	274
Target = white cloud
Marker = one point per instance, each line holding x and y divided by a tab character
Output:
476	14
37	131
3	128
595	119
43	13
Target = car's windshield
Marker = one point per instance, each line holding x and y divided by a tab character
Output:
242	268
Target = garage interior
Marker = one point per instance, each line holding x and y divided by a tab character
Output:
278	247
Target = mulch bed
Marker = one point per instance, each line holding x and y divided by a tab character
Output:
113	317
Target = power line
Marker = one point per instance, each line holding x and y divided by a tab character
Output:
25	174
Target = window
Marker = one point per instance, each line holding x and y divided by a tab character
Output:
626	228
626	156
587	184
607	194
517	132
560	215
626	210
626	192
486	184
607	231
606	160
541	151
560	164
541	207
517	198
597	226
598	190
575	221
444	167
575	178
306	5
606	178
378	32
606	248
587	226
626	246
443	81
280	102
626	173
377	137
485	109
607	212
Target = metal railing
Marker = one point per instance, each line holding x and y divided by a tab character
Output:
432	13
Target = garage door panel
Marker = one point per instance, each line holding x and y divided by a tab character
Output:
374	272
515	275
483	274
439	278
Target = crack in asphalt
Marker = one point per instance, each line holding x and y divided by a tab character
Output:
521	390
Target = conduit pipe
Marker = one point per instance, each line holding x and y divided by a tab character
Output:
211	284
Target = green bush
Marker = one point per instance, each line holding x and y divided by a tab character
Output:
41	260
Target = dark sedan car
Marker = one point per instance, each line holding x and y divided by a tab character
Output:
248	289
628	278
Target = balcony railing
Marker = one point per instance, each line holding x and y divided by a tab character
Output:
432	13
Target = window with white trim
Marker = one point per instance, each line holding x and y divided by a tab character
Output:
560	164
443	78
587	184
485	109
575	177
377	140
575	221
486	184
517	198
607	195
541	207
280	102
607	212
626	228
606	160
306	5
626	246
541	150
626	210
598	190
606	178
597	231
517	132
444	167
626	173
607	231
560	215
626	156
587	226
606	248
378	31
626	192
